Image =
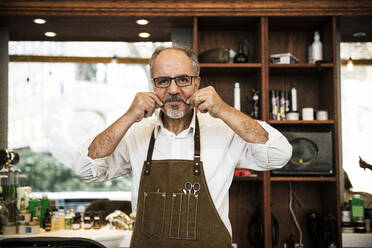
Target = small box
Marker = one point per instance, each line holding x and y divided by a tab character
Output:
283	58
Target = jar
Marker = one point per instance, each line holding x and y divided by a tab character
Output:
359	225
87	222
97	222
24	217
76	223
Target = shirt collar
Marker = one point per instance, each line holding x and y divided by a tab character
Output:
159	125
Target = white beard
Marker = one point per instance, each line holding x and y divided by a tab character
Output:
174	113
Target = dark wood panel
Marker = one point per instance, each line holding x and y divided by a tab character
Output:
265	70
92	28
303	179
210	39
188	7
224	85
336	148
295	35
68	59
327	94
244	199
308	89
304	127
230	66
311	196
356	15
291	41
301	122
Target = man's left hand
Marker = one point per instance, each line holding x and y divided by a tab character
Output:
207	100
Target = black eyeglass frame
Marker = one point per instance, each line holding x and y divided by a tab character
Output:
175	80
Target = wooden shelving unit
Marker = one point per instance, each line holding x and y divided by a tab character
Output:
232	65
303	179
317	88
301	122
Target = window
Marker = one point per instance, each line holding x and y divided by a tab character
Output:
356	114
54	107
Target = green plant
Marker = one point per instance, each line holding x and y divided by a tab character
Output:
44	173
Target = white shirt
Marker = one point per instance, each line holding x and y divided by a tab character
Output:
221	152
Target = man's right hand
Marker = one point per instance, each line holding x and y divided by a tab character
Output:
144	105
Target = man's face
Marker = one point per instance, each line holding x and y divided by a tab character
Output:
172	63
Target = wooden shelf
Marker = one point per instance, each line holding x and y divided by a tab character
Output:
299	69
230	65
301	122
249	178
302	179
301	65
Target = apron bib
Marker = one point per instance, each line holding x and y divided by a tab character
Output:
174	207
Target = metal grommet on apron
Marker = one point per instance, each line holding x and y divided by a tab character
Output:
174	207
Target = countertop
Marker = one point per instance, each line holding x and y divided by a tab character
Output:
108	237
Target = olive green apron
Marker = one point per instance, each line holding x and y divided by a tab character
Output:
171	213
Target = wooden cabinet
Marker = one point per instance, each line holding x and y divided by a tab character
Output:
317	88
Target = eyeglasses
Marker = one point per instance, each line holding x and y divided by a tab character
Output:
181	81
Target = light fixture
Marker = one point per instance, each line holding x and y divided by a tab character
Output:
142	22
144	35
350	65
50	34
39	21
359	34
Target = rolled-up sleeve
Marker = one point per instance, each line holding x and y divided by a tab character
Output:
274	154
101	169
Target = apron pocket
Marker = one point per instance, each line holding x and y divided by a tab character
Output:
153	213
183	216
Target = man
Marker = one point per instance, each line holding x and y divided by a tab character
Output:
182	162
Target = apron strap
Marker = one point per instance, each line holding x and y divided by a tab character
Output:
196	147
196	167
149	154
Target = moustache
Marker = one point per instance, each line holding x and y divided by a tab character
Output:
175	98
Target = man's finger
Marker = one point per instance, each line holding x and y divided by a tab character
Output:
156	99
203	108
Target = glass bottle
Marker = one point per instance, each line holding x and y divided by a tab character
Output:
55	220
47	221
61	218
240	57
44	206
256	104
68	220
357	207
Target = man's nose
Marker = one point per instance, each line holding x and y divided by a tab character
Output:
173	87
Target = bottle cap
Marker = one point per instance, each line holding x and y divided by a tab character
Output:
237	85
356	196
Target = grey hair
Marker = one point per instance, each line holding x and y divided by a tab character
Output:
188	51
